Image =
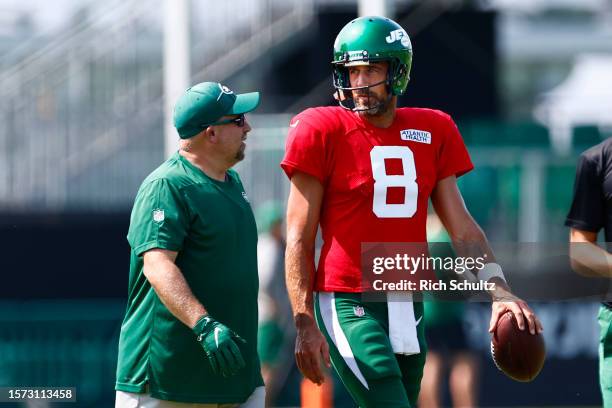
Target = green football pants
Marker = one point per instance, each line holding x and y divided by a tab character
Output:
605	355
358	336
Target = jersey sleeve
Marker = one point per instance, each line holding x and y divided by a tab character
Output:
587	210
305	149
159	218
453	157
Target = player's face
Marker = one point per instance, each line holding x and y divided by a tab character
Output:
232	138
373	98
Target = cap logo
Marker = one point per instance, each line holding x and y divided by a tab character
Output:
398	35
225	89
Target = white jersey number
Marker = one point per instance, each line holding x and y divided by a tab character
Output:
382	181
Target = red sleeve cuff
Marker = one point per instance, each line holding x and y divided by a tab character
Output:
291	168
456	172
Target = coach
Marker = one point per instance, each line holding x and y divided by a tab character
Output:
190	328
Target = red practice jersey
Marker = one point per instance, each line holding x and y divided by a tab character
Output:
377	181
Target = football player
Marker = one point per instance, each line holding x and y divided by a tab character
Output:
365	171
591	211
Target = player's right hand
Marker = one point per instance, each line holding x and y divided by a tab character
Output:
311	350
219	344
504	300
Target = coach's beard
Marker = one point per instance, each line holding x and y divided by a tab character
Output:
240	153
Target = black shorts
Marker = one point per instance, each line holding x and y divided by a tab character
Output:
447	338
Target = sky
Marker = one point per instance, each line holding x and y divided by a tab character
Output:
47	15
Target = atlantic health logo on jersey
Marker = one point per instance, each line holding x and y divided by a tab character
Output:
416	135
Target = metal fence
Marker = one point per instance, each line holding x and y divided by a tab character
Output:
517	194
62	343
81	120
81	117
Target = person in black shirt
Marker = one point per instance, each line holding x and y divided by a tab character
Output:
590	212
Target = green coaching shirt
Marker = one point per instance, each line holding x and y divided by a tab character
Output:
211	225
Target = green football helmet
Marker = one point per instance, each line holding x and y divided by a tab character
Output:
371	39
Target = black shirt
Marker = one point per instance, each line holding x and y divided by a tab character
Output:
592	204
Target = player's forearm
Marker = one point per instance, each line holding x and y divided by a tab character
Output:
471	241
299	272
303	209
170	285
588	259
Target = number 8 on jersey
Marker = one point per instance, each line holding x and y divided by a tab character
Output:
382	181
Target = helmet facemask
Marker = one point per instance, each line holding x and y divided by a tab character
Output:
345	93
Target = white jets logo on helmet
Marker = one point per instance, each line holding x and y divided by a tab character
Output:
398	35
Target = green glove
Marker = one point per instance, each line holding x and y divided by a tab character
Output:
219	343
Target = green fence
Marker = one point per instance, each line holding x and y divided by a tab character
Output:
64	343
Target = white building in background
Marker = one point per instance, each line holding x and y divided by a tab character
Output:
536	6
584	98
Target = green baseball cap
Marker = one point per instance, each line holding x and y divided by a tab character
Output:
205	103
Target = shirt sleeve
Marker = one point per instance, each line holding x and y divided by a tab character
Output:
453	158
159	218
305	150
587	210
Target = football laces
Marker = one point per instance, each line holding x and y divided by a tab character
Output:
493	356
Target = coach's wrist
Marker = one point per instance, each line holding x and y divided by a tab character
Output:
202	323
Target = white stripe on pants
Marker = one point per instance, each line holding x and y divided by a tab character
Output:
133	400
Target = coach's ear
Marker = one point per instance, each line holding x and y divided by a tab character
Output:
210	134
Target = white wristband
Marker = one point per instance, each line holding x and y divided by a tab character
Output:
490	270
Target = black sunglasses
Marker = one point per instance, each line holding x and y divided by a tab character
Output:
239	121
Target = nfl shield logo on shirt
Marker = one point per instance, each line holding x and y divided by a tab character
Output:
359	311
244	195
158	215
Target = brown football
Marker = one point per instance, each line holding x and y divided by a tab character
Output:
517	353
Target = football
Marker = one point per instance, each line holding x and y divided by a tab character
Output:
517	353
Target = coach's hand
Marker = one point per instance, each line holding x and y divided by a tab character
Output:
219	343
504	300
310	348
